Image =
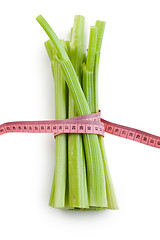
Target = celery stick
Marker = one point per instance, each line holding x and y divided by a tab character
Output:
111	197
58	191
77	183
96	69
88	76
100	25
91	49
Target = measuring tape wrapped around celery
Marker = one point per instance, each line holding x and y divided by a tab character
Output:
81	177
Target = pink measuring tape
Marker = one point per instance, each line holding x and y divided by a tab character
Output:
90	124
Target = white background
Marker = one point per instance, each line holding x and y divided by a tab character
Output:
129	94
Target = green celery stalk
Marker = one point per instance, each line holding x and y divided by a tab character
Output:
77	183
111	197
96	70
100	25
91	49
95	171
88	69
58	191
88	76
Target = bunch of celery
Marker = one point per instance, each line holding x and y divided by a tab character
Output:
81	179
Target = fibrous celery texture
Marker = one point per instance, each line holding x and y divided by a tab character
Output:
77	182
58	191
81	176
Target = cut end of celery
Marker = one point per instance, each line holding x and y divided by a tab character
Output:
100	31
39	17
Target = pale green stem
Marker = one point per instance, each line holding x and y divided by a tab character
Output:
78	196
97	57
111	197
58	191
91	49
